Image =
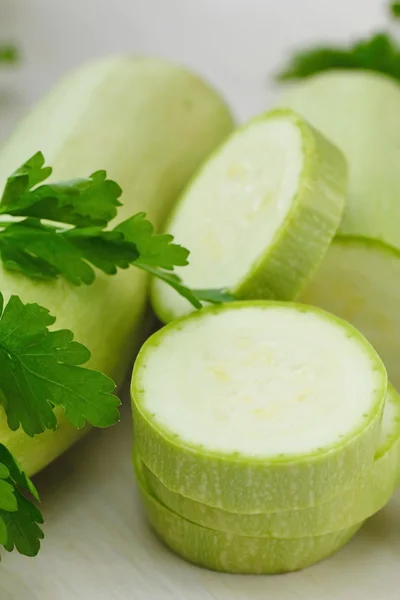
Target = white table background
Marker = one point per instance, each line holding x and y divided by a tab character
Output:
97	543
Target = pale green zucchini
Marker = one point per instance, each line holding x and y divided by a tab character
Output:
358	281
225	552
258	406
345	510
358	278
260	214
149	124
359	111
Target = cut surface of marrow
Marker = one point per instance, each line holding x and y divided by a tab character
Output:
229	553
359	111
149	124
347	509
359	281
258	406
260	214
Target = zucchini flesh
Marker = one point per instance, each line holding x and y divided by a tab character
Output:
260	214
346	510
358	281
258	406
221	551
149	124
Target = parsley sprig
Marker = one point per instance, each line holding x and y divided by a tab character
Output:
48	231
395	9
380	53
8	53
20	519
41	369
61	229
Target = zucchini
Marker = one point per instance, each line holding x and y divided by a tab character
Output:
358	281
260	215
221	551
225	401
149	124
359	111
345	510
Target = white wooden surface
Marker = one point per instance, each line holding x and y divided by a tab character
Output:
98	544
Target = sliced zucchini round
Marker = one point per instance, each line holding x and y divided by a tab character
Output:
225	552
348	508
258	406
359	281
359	111
260	214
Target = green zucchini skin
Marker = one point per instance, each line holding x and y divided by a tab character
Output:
225	552
358	111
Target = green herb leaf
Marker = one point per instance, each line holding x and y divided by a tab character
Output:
44	252
40	252
155	249
381	53
8	54
80	202
395	9
309	62
19	517
106	250
22	526
40	369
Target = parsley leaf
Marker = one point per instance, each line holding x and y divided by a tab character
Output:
19	517
395	9
155	249
44	252
8	53
380	53
40	369
106	250
38	251
80	202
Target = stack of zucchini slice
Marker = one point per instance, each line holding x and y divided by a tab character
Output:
266	431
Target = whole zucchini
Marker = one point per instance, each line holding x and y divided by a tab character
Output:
149	124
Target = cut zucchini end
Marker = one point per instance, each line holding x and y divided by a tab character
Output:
235	379
231	390
229	553
272	196
359	281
